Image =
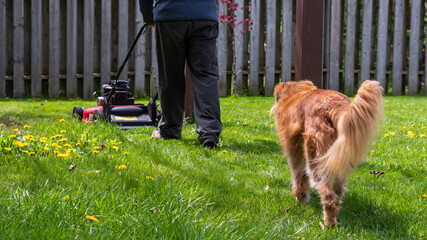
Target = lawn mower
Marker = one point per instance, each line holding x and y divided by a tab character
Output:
116	104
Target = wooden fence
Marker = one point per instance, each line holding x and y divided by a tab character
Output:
51	48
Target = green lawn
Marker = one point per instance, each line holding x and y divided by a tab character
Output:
133	186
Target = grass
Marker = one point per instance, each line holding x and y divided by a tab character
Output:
127	185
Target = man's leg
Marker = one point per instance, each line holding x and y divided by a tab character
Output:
171	60
203	65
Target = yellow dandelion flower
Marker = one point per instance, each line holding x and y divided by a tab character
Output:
111	156
92	218
149	177
385	135
63	140
78	144
271	125
12	136
42	140
94	152
63	131
22	144
65	198
55	145
410	134
423	127
95	148
422	135
129	140
123	166
412	125
24	151
26	126
27	137
224	151
404	127
125	153
31	153
268	111
67	145
425	195
69	150
8	149
16	130
56	152
46	148
62	120
115	148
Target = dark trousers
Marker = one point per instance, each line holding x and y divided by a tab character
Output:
194	41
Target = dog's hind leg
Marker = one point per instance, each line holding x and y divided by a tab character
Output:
300	181
331	204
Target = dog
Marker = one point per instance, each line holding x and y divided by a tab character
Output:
325	135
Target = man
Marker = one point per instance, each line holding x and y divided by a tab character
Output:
186	30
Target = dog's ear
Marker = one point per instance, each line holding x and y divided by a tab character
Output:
279	90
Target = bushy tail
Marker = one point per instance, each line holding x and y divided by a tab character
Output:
356	131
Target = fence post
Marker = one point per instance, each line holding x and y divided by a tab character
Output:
18	48
350	48
53	49
3	60
382	43
398	46
287	40
106	41
139	55
270	52
71	48
414	46
308	41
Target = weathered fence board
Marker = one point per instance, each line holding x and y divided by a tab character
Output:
334	62
365	71
53	49
106	41
76	46
350	47
382	39
398	46
71	48
88	49
270	52
36	48
3	54
414	47
287	42
18	48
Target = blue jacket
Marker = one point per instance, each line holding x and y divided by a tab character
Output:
175	10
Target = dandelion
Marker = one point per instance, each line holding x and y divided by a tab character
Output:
78	144
28	137
24	151
95	148
411	134
56	152
115	148
55	145
63	131
271	125
22	144
92	218
8	149
62	120
67	145
422	135
149	177
16	130
94	152
31	153
423	127
123	166
111	156
26	126
12	136
268	112
63	140
425	195
46	149
65	198
125	153
404	127
224	151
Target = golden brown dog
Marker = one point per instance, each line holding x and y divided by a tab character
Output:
325	136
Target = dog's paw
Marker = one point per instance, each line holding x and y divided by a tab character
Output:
329	224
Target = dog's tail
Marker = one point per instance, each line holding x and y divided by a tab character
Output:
356	130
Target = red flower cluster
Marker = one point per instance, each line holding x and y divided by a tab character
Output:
230	17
